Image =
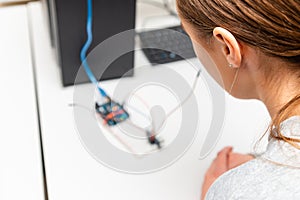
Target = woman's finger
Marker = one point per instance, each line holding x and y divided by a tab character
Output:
222	158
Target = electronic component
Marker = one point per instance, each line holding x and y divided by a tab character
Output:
111	112
152	139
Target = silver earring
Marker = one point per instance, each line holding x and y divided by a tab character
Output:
230	65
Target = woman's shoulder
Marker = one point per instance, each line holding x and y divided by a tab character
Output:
257	179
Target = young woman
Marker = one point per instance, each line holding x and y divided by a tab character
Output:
255	46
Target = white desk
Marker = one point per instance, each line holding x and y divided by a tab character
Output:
72	173
21	166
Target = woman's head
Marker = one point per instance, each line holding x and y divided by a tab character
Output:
270	27
259	39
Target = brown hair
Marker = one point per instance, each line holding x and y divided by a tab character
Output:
271	26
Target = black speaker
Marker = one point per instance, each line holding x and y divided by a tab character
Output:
68	33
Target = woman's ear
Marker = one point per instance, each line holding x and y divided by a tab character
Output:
230	46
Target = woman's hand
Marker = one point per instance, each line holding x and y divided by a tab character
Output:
224	161
216	169
236	159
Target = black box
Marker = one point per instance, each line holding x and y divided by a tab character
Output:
68	33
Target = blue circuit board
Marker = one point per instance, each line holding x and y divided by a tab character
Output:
112	112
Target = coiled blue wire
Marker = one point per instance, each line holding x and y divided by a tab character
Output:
86	47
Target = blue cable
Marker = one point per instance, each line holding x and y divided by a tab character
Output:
86	47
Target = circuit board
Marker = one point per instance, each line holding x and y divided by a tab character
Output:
112	113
